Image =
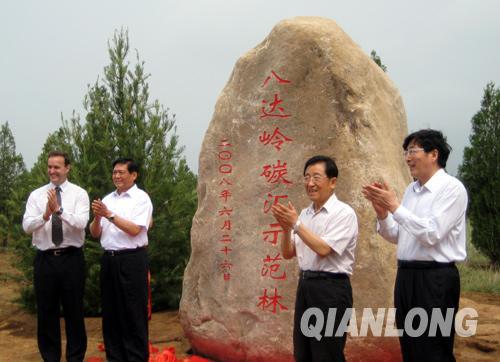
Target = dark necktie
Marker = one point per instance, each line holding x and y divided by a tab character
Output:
57	231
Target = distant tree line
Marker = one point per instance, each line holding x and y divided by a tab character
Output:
120	121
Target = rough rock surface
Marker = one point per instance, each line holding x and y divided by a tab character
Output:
307	89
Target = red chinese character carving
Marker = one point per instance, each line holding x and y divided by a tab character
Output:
225	181
272	235
225	266
273	108
225	211
224	143
271	267
277	77
225	155
276	139
226	238
225	168
226	250
267	302
225	194
276	173
227	225
272	200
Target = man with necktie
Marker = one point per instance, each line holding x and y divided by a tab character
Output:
56	216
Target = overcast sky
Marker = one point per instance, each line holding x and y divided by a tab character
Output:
440	54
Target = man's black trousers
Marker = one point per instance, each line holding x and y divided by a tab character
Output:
426	285
59	277
323	291
124	293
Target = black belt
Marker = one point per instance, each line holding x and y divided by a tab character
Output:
312	274
423	264
59	251
123	251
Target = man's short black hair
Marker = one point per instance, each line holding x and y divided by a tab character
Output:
429	140
57	153
131	165
331	169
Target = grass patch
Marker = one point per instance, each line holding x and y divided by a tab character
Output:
477	274
11	277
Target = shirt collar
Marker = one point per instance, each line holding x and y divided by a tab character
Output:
63	186
432	184
130	192
328	206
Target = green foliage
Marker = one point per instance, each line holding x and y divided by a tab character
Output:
377	60
480	172
26	255
476	274
485	280
121	121
11	170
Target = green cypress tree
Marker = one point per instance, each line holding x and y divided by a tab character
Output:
11	171
480	172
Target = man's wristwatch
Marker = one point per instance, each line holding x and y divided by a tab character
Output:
296	226
111	217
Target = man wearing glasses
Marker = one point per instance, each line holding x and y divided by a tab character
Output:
323	237
428	227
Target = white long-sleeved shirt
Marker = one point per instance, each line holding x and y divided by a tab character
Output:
430	222
337	225
75	215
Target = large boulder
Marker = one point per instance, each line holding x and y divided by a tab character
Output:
307	89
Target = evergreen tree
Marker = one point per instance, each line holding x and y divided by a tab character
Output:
11	170
121	121
377	60
480	173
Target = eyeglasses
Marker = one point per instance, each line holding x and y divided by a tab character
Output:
412	151
315	178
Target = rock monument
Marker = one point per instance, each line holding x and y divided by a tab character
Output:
307	89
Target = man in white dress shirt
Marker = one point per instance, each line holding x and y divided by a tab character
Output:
122	220
428	227
56	215
323	237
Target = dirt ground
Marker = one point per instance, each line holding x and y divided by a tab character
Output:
18	328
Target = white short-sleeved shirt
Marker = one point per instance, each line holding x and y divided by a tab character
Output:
336	223
430	223
133	205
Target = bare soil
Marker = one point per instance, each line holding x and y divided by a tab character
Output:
18	328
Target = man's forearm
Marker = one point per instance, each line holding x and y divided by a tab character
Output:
287	246
33	223
318	245
126	226
95	227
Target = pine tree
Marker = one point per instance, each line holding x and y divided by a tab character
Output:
121	121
